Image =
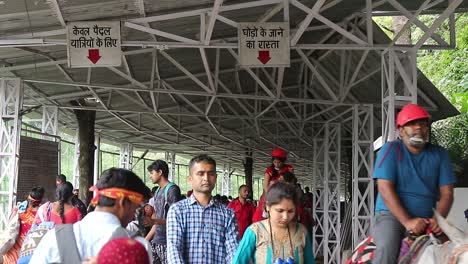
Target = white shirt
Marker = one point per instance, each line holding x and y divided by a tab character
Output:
91	234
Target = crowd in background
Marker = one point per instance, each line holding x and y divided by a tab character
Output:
161	225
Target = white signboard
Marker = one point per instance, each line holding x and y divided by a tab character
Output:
264	44
94	44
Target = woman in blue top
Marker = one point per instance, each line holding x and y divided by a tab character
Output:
279	238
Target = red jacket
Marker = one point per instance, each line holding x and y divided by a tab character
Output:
244	213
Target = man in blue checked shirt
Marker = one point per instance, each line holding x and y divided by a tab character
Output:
199	229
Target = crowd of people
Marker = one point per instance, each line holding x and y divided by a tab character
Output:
127	220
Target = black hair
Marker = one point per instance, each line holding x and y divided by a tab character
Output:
61	178
63	193
289	177
279	191
120	178
37	193
153	190
242	186
278	158
201	158
159	165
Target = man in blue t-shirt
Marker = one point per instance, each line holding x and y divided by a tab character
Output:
413	176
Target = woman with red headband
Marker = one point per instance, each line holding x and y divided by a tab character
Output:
272	174
25	212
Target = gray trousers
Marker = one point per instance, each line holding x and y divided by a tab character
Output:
387	233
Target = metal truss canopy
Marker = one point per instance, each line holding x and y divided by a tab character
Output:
180	88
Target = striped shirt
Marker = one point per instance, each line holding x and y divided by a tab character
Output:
197	234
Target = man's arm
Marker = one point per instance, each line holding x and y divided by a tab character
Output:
391	200
443	206
232	235
446	200
175	235
266	182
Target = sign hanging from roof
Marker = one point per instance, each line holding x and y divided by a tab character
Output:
93	44
264	44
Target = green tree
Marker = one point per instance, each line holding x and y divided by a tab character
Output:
448	71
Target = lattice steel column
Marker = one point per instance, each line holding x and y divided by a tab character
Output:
76	157
363	163
318	200
126	156
11	102
50	120
173	166
399	87
332	192
97	157
226	183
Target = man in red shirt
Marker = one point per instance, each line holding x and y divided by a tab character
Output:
244	209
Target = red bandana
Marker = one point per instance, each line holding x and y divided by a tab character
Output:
116	193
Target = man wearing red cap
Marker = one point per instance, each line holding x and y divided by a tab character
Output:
413	176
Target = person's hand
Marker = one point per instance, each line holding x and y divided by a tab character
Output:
434	226
91	260
416	225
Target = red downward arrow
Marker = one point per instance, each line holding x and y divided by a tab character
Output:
93	55
264	56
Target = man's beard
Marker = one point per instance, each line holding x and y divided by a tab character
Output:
416	140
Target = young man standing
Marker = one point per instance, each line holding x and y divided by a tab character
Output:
199	229
244	209
164	196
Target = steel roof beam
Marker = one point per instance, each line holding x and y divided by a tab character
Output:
56	7
429	33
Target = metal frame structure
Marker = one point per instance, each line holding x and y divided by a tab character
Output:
327	193
332	192
394	95
262	107
318	199
126	156
50	120
226	182
11	97
172	157
97	157
76	164
363	163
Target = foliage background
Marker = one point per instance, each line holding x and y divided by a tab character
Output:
448	71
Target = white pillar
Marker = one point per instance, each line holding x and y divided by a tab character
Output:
172	173
332	193
97	157
11	103
126	156
363	163
226	183
318	201
76	165
50	120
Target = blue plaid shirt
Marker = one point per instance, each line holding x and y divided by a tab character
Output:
197	234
